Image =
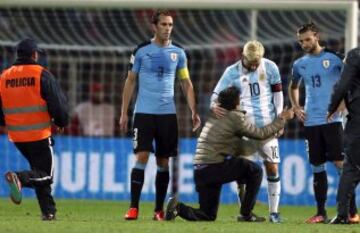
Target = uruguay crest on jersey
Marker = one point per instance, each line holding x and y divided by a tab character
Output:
173	56
326	63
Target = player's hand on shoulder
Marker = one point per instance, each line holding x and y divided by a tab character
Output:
218	111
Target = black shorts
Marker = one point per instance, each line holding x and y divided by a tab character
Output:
324	143
161	128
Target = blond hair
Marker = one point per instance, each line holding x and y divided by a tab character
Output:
253	50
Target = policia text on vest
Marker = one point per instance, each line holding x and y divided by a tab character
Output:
20	82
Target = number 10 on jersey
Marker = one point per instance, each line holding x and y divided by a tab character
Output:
254	89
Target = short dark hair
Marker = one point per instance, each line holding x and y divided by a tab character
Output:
229	98
308	27
156	16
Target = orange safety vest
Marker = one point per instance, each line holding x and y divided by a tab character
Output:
26	115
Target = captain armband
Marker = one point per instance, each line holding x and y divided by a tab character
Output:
183	73
276	87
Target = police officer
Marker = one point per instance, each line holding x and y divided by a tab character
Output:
31	101
348	89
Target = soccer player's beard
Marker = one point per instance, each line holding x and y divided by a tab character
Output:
311	50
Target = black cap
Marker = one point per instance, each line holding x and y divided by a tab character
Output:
26	47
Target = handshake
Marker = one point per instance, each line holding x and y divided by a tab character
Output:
286	114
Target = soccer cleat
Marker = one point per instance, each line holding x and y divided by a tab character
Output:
159	216
132	214
171	209
251	218
354	219
15	187
48	217
275	218
339	220
317	219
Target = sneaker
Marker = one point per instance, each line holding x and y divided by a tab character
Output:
159	216
275	218
132	214
15	187
171	209
339	220
48	217
354	219
251	218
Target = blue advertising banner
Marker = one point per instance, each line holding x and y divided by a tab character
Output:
99	168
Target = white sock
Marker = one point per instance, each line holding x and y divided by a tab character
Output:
274	189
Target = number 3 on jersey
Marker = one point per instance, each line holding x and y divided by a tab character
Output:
254	89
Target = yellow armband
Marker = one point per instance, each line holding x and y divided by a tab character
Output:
183	73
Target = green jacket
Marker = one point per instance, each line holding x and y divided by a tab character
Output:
222	137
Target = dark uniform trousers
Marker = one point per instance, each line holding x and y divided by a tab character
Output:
209	179
350	176
40	157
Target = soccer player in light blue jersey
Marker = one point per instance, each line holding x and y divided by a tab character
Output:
319	69
261	97
154	65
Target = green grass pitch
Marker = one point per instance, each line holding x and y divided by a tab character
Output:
90	216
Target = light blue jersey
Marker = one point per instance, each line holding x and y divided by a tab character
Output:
319	73
256	89
156	68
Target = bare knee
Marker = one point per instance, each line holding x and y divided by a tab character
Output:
271	168
162	162
142	157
